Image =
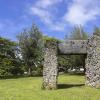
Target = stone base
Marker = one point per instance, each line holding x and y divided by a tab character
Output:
93	84
47	86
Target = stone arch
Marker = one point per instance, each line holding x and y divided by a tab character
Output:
90	47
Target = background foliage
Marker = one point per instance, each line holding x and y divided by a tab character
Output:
25	57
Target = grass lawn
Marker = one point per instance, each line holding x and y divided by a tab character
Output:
71	87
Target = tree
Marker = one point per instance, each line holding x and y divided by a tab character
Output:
31	44
78	33
64	63
97	31
9	64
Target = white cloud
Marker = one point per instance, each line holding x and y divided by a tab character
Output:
82	11
46	3
59	26
42	9
78	12
43	14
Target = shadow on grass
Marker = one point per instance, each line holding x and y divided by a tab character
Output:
78	74
65	86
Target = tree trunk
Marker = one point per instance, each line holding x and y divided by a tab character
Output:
29	71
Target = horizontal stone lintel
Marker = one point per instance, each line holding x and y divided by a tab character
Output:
73	47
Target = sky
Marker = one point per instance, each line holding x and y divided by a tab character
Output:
55	18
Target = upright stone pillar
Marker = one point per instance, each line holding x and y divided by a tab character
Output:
93	62
50	65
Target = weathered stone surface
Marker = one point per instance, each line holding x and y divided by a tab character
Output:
93	62
50	66
90	47
73	47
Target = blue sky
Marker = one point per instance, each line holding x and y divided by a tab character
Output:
54	18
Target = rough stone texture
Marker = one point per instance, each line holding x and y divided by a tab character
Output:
50	66
73	47
93	62
90	47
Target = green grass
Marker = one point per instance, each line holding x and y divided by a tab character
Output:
70	88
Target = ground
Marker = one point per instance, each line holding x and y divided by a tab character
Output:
71	87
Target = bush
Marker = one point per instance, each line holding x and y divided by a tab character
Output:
9	68
38	71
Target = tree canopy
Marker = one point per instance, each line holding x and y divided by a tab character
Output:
9	63
31	45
